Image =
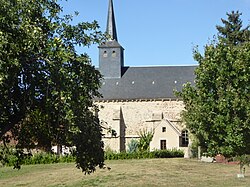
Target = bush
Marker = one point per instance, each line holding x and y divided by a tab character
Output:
39	158
174	153
11	158
48	158
145	139
133	146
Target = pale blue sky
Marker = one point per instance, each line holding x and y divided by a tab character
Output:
159	32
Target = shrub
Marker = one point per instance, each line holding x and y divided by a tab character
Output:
49	158
244	160
39	158
12	157
174	153
145	139
133	146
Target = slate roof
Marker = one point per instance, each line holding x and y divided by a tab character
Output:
157	82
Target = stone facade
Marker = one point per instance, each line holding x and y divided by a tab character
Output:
122	121
132	98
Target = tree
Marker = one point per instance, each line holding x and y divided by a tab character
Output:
232	32
217	109
47	89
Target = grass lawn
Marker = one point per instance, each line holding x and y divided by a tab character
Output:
148	172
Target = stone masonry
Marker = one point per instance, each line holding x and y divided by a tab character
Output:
127	118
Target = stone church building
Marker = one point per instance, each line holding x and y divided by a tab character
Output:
139	98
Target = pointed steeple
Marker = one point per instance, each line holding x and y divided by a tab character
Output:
111	53
111	28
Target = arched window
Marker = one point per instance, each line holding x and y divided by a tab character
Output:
105	54
184	140
113	54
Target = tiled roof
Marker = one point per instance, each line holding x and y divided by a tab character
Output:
156	82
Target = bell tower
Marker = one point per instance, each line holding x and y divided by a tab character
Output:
111	58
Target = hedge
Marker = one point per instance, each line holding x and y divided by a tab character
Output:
48	158
174	153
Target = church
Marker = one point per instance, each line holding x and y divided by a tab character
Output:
136	99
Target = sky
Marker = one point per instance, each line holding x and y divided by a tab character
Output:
158	32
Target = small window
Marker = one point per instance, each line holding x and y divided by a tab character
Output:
105	54
163	144
164	129
113	54
184	138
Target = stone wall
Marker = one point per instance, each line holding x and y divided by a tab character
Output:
127	118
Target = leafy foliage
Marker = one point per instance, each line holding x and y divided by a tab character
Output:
133	146
244	160
47	89
145	139
52	158
217	109
232	31
38	158
174	153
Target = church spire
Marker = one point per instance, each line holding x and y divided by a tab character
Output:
111	28
111	55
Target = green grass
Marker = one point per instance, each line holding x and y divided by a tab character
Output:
145	172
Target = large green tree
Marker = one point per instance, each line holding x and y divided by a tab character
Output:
217	108
46	88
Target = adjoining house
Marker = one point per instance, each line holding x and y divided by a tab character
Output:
139	98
